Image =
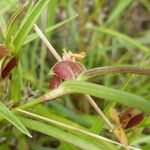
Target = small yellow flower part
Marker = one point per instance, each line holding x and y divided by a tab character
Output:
73	56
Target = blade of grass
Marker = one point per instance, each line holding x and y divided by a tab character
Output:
8	115
6	5
67	126
16	84
119	35
28	24
69	113
120	7
146	4
100	91
58	133
2	25
52	6
34	36
12	24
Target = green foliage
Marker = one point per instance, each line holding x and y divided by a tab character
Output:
4	111
28	24
100	91
112	33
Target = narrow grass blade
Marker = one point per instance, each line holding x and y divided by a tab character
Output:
58	133
103	92
2	25
28	24
4	111
122	36
34	36
51	17
6	5
120	6
12	24
16	85
71	128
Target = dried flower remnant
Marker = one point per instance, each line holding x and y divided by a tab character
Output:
119	132
73	56
67	69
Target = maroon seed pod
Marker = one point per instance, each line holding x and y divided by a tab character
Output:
3	51
135	120
8	65
55	82
67	70
131	117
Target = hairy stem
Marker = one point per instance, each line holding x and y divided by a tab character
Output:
91	73
56	55
45	98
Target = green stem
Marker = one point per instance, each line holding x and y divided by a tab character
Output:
88	74
45	98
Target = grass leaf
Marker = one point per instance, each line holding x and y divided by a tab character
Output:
34	36
118	10
28	24
4	111
110	94
12	24
122	36
58	133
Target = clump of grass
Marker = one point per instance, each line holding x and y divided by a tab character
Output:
70	119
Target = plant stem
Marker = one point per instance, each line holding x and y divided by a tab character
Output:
101	114
91	73
56	55
71	127
46	42
45	98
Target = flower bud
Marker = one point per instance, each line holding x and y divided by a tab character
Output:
64	70
67	70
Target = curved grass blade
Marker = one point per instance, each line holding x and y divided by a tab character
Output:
12	23
28	24
58	133
34	36
122	36
118	10
2	25
6	5
8	115
125	98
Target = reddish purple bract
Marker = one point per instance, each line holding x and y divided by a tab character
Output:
8	67
65	70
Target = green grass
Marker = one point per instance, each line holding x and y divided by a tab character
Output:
112	33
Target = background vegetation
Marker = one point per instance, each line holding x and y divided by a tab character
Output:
111	32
